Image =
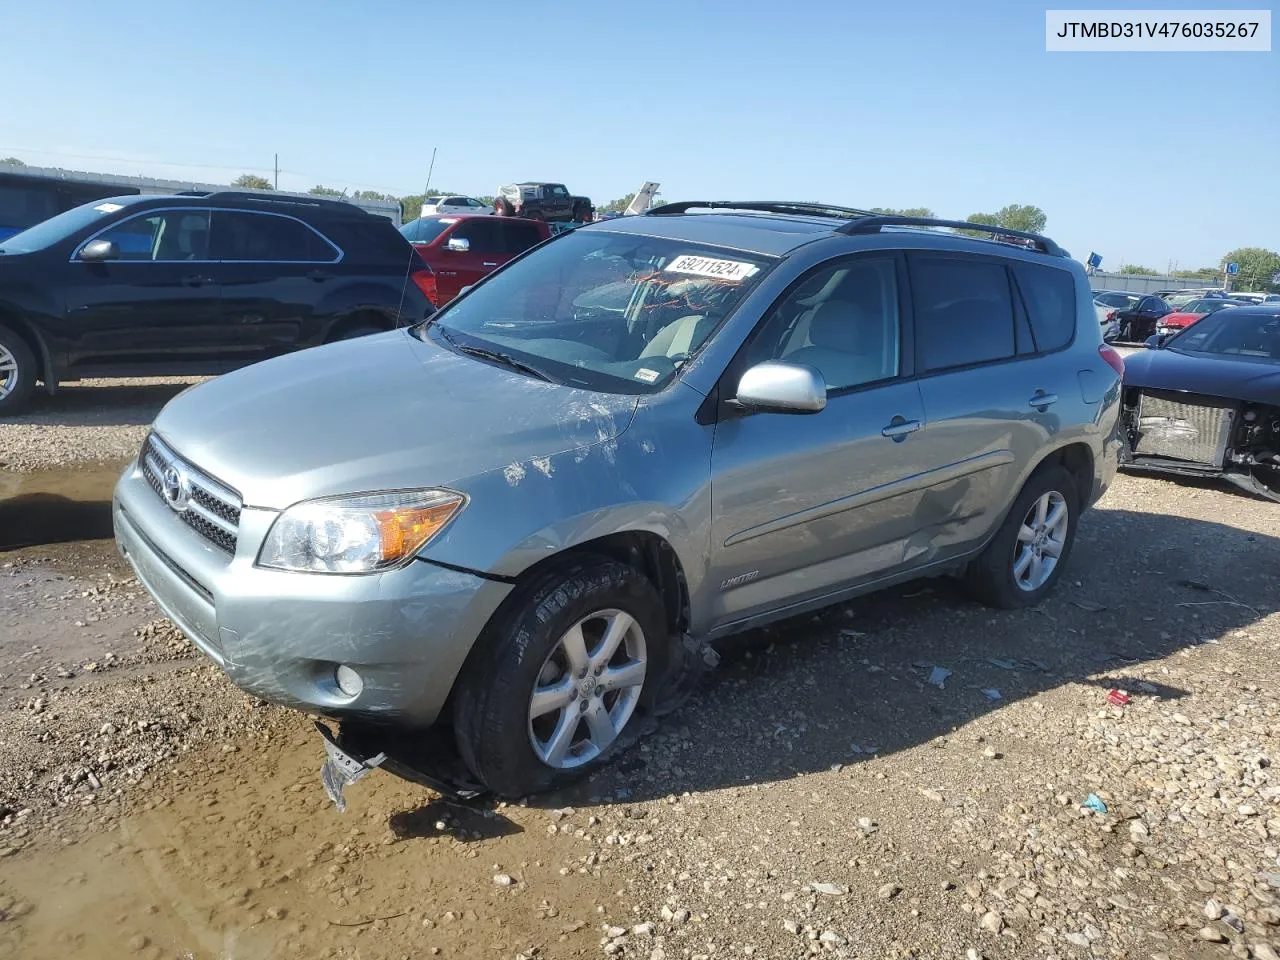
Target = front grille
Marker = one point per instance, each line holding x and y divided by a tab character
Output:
1196	432
202	503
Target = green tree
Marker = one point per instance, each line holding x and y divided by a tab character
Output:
1139	270
251	181
1258	268
1201	273
904	211
1015	216
487	200
617	206
11	162
322	191
372	195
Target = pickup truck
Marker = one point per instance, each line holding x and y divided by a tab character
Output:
541	201
460	250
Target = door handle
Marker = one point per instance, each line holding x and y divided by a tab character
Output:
1042	399
196	280
318	275
489	264
898	429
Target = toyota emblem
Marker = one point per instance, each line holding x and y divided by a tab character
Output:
176	489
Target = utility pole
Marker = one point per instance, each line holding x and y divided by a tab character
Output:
277	171
427	188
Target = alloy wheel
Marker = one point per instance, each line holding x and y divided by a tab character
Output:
8	372
1041	540
587	689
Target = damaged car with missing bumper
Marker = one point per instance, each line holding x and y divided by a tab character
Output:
1205	402
521	523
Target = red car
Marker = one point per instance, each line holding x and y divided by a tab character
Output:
1189	313
460	250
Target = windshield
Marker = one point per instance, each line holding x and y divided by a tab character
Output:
1239	333
425	229
48	232
607	311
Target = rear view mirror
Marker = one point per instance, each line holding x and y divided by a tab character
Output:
458	245
96	251
782	388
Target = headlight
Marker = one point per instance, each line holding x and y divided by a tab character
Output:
362	534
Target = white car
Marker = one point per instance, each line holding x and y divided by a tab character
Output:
1104	301
453	205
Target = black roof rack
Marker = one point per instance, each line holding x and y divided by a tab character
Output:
873	223
761	206
325	203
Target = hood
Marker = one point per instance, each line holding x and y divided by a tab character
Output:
1257	381
381	412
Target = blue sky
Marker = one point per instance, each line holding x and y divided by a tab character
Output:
954	106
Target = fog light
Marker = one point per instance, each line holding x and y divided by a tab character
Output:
348	680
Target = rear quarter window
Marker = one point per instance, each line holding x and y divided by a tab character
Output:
1049	296
371	240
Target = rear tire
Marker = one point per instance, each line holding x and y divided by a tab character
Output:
17	371
526	719
502	207
1025	559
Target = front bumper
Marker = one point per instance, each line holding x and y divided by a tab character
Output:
280	636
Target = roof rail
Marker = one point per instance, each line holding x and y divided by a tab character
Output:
761	206
873	223
323	202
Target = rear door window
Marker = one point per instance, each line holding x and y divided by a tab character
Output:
267	238
964	311
484	235
519	237
1049	296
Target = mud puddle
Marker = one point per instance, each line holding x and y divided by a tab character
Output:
240	855
58	509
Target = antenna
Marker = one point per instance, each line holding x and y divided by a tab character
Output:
427	188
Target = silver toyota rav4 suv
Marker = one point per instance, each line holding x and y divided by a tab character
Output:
528	516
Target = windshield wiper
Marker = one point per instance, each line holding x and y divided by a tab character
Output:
497	356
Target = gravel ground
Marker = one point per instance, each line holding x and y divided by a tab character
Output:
818	796
87	422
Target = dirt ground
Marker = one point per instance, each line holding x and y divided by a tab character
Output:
817	796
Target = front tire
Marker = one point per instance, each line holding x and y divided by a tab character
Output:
17	371
554	686
1024	561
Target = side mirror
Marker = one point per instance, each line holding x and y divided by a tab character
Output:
458	244
774	387
95	251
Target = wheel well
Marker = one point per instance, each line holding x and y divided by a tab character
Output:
647	552
1077	458
361	318
34	343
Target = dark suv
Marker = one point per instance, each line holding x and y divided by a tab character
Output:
195	284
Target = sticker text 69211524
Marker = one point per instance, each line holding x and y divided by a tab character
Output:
730	270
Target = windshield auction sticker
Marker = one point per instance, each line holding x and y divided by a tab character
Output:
731	270
1147	31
